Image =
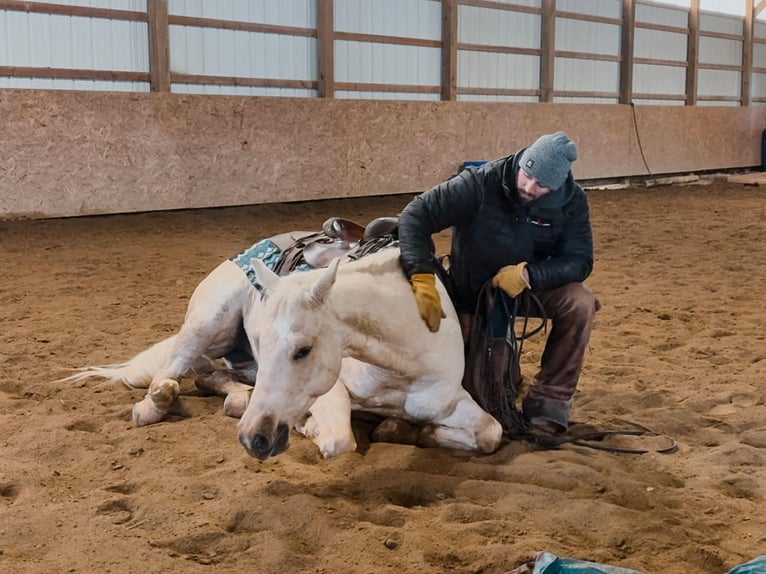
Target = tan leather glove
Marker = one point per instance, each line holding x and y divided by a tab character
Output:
427	297
511	279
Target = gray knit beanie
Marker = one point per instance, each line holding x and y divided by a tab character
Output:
549	159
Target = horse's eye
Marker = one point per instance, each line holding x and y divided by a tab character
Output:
301	353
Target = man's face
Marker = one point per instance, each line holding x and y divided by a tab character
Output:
529	188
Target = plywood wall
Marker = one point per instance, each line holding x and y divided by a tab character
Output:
78	153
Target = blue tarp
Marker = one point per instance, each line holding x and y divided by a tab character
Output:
548	563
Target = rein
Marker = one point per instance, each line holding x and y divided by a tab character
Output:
526	303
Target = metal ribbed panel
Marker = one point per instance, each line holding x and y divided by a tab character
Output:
669	16
406	18
652	79
720	51
735	7
368	62
135	5
296	13
587	75
590	37
605	8
718	82
498	27
659	44
244	54
74	42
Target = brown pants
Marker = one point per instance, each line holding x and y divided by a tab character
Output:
572	312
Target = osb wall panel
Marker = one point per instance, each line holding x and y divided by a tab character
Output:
682	139
78	153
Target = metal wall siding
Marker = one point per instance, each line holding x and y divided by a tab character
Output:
581	100
239	53
136	5
721	24
406	18
367	62
663	16
496	98
486	26
296	13
719	83
735	7
653	79
367	95
605	8
73	42
587	75
529	3
720	51
759	83
759	55
209	89
61	84
493	70
659	44
590	37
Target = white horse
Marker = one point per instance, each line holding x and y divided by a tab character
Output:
351	337
226	300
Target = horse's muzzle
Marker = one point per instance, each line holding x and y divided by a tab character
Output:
262	445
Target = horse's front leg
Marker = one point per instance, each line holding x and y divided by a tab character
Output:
329	423
210	327
467	427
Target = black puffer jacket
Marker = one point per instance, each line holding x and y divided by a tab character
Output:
492	228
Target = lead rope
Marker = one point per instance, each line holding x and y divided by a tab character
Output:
520	424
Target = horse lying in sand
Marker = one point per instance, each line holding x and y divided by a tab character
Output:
401	370
354	332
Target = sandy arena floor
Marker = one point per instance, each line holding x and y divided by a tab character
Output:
678	346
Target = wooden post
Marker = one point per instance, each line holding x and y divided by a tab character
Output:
159	45
548	47
692	53
747	53
449	49
326	48
627	50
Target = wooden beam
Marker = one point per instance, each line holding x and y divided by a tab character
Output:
747	53
759	8
72	74
627	44
692	53
82	11
326	48
159	45
548	47
449	50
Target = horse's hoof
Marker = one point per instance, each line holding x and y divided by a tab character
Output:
235	403
333	448
146	413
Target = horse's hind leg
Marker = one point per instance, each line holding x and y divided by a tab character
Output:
468	427
212	320
235	385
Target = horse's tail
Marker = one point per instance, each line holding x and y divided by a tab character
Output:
135	373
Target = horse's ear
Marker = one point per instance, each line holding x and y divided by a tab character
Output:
321	288
263	274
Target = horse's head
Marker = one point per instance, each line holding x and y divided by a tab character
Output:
299	354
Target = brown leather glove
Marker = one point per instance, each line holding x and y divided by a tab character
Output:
427	297
511	279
